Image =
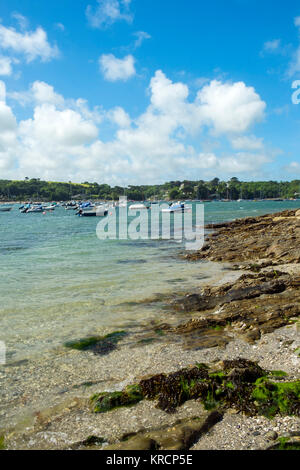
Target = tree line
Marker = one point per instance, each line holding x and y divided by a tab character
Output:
36	189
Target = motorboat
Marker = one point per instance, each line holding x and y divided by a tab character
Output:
138	207
34	209
95	212
175	207
5	209
49	208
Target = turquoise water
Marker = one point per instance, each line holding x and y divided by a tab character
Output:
59	281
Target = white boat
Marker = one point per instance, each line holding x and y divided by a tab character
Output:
138	207
5	209
49	208
35	209
175	207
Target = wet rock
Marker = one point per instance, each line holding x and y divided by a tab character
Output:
181	436
271	435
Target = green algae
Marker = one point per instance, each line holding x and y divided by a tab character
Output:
107	401
98	344
2	443
277	398
240	384
278	373
297	351
285	443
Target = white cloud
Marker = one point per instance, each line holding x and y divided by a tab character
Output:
108	12
247	143
295	63
63	139
115	69
140	37
272	46
231	107
23	22
33	44
293	167
8	132
5	66
120	117
60	26
39	93
67	127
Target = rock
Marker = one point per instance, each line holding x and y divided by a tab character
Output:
255	239
135	443
180	436
271	435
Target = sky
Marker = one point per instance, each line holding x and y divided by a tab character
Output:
130	92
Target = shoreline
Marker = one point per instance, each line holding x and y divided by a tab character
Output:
73	422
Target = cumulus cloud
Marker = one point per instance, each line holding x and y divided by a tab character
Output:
31	44
5	66
108	12
62	139
8	132
247	143
119	116
231	107
115	69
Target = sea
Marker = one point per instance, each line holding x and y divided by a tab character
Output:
60	282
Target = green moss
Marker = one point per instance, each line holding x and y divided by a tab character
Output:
297	351
2	443
272	398
107	401
201	365
160	332
230	385
241	384
146	340
219	374
285	444
83	343
278	373
100	344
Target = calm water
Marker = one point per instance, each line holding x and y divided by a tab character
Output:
58	281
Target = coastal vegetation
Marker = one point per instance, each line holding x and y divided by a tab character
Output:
205	190
239	384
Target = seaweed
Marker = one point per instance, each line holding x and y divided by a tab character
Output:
240	384
273	398
100	345
108	401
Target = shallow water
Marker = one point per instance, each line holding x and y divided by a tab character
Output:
59	282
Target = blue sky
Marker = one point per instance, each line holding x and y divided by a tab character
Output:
145	91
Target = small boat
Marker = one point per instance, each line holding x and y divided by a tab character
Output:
5	209
175	207
34	209
138	207
49	208
95	212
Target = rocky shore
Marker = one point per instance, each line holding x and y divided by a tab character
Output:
220	371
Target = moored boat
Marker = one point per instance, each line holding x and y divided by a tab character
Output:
5	209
